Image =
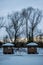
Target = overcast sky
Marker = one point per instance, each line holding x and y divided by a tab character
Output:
8	6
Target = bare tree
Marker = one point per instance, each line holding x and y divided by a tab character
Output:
31	16
26	15
1	22
17	23
34	19
5	39
10	32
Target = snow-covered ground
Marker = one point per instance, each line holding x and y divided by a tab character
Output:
40	50
21	58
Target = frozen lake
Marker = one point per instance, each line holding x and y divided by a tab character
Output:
22	59
30	59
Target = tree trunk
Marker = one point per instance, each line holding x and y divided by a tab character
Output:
26	29
32	36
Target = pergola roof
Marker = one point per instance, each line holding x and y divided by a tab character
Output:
8	44
32	44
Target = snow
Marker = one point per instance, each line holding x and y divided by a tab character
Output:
40	50
8	44
32	44
21	58
21	51
1	51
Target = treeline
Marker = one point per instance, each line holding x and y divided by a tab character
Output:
22	24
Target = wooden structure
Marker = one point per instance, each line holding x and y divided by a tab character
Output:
32	48
8	48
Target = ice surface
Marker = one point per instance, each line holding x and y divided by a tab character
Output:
21	58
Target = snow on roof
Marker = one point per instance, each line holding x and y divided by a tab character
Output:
8	44
32	44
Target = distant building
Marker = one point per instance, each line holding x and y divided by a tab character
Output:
8	48
32	48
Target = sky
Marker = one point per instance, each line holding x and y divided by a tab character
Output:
9	6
